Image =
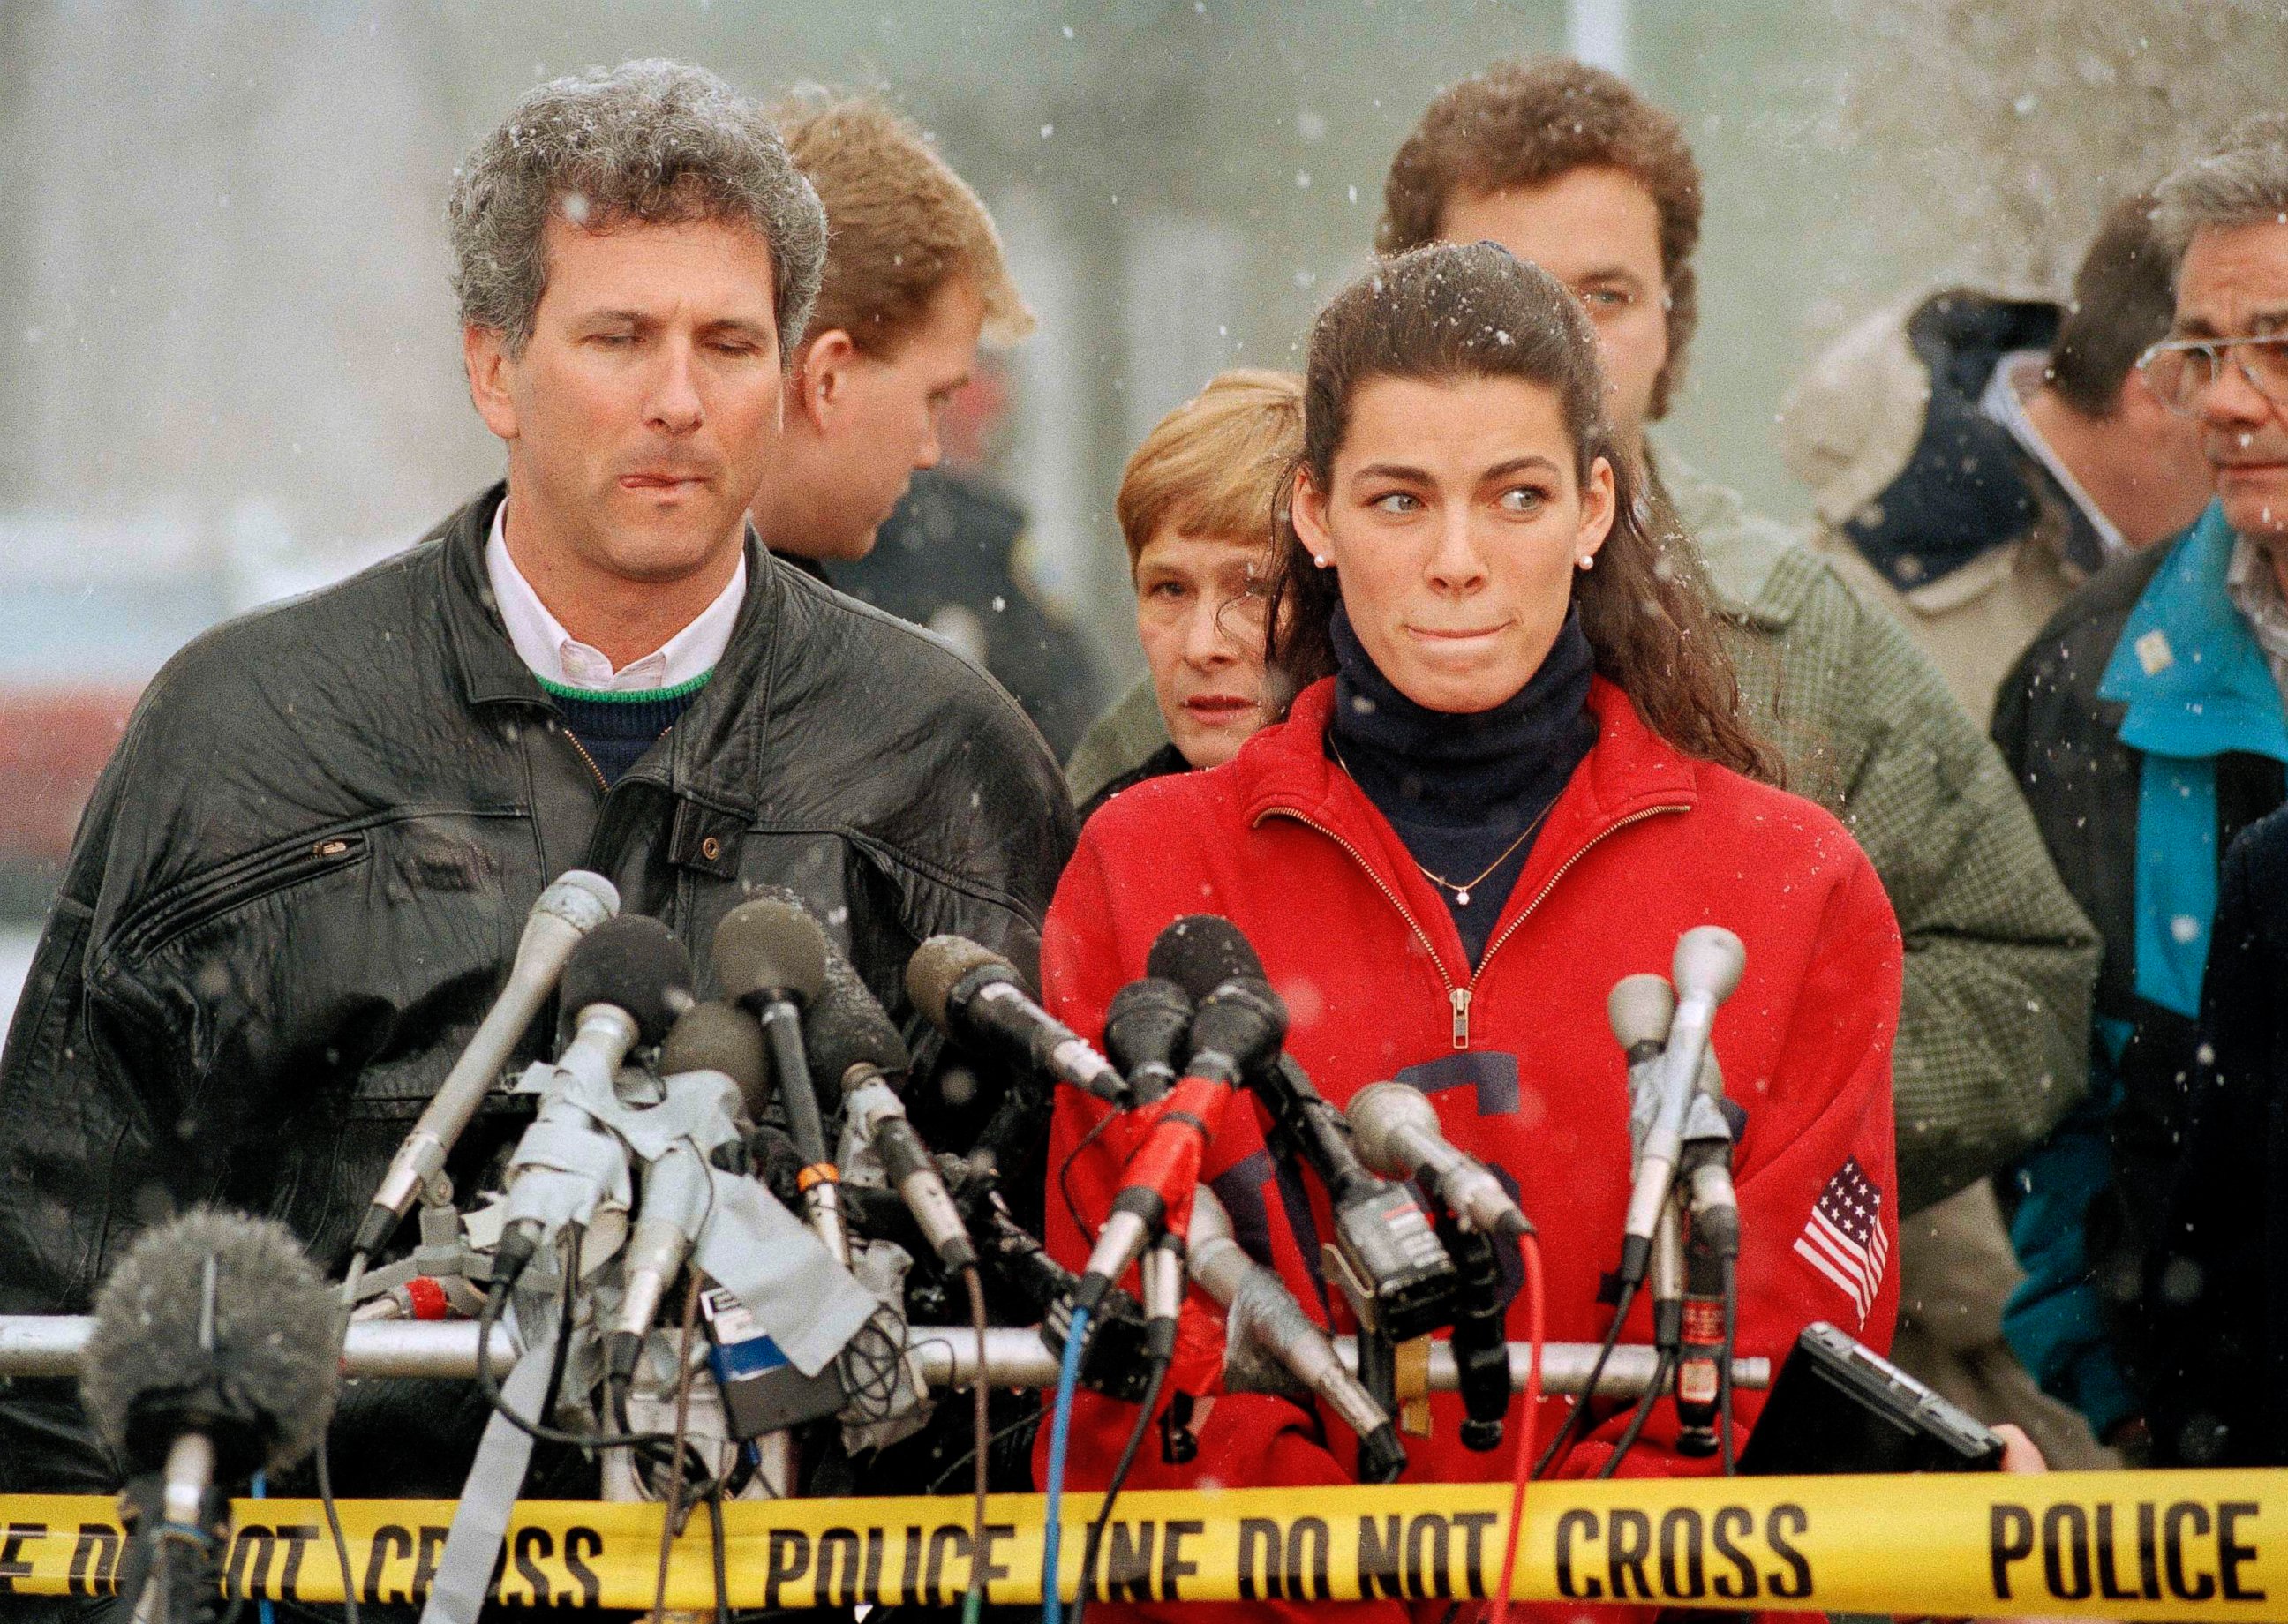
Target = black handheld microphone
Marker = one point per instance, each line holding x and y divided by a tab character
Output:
1385	1253
770	956
215	1355
1236	1028
850	1039
1144	1034
971	993
576	904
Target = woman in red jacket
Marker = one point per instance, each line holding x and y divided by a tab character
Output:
1516	776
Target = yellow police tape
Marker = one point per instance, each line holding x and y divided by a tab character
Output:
2121	1545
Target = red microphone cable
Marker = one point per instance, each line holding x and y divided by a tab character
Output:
1530	1247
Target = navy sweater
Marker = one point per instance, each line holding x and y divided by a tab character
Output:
1459	788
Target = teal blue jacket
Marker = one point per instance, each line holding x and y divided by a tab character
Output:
2146	728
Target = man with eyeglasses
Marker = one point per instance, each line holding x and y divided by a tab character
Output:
2148	728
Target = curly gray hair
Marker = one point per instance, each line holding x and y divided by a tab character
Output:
651	141
2243	182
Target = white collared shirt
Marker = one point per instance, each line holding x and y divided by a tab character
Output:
554	654
2004	402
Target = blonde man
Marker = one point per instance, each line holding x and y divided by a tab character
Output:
914	278
1197	505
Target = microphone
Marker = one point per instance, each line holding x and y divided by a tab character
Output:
1115	1363
716	1036
1386	1254
1688	1272
625	985
1235	1031
1258	1309
215	1354
1143	1029
1399	1134
711	1040
770	955
576	904
1708	965
1641	1008
852	1039
972	993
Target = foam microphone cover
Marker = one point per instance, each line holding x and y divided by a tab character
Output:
938	966
846	1025
716	1036
1200	952
770	946
1641	1007
260	1380
635	963
1146	1023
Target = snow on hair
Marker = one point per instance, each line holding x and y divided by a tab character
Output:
2243	182
649	141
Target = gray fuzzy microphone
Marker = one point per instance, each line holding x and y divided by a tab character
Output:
214	1326
216	1354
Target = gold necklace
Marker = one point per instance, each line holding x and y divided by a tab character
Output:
1462	892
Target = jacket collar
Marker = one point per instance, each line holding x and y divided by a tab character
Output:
1742	553
715	751
1283	772
2187	665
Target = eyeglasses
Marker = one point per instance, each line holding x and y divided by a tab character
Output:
2179	371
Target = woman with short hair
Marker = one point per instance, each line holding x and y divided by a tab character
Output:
1199	505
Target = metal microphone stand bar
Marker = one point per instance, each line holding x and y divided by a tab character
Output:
50	1345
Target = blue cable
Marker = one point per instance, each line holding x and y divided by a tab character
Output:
1053	1606
263	1610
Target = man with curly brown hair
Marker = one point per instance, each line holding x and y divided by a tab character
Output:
1567	166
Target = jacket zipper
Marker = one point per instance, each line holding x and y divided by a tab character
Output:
602	782
1458	998
219	894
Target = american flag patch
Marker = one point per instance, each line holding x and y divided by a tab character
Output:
1843	1238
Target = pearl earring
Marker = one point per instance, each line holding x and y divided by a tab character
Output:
1588	561
1320	560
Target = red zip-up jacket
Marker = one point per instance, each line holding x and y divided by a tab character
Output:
1643	843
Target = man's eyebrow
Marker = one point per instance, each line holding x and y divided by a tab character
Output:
2258	322
1607	274
757	330
632	318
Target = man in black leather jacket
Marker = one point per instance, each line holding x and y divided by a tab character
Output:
302	877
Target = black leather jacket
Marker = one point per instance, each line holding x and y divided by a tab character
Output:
302	877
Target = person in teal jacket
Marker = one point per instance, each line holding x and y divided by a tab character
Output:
2147	727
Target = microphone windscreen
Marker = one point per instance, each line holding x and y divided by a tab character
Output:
941	962
770	945
1200	952
1641	1007
635	963
259	1378
716	1036
1146	1022
846	1025
1709	961
584	899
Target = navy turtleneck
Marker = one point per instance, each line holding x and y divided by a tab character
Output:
1459	788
